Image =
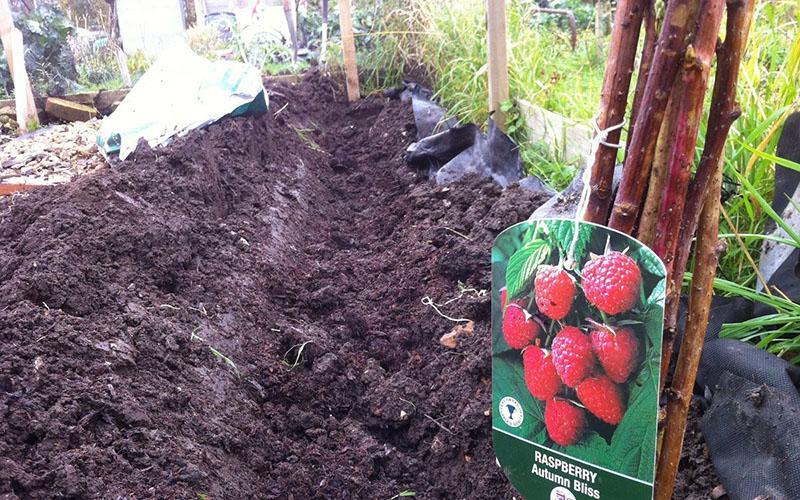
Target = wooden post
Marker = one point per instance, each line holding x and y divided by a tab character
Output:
349	49
291	23
200	12
116	41
15	55
122	65
323	47
498	59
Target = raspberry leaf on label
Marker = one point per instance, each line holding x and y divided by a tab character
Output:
648	261
522	266
563	233
634	456
658	294
594	449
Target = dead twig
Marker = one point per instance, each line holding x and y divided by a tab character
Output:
441	426
455	232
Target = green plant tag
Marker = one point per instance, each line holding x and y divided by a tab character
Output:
577	318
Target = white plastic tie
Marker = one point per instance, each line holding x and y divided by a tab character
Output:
599	139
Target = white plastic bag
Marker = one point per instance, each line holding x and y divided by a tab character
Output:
180	92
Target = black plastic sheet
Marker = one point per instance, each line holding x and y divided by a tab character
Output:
446	151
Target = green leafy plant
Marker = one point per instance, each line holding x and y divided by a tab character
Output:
48	56
205	41
99	68
138	63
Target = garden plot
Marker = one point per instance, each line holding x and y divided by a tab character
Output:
257	311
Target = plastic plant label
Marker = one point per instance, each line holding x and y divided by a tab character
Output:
577	320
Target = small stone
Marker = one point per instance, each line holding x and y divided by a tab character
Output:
450	339
718	492
437	446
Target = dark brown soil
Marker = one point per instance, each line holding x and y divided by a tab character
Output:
240	315
697	478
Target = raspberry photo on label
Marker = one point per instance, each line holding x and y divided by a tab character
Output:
577	312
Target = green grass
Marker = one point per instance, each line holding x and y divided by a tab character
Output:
283	68
768	91
445	42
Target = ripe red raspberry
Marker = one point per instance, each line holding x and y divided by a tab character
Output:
520	329
572	355
540	374
564	421
617	350
554	291
611	282
603	398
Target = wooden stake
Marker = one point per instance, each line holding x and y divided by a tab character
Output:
349	49
614	97
15	56
498	60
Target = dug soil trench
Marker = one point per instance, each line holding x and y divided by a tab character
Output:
244	314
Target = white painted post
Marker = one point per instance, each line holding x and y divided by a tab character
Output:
11	37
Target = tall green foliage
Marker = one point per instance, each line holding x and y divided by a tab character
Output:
48	57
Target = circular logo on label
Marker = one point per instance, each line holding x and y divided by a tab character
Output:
561	493
511	411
